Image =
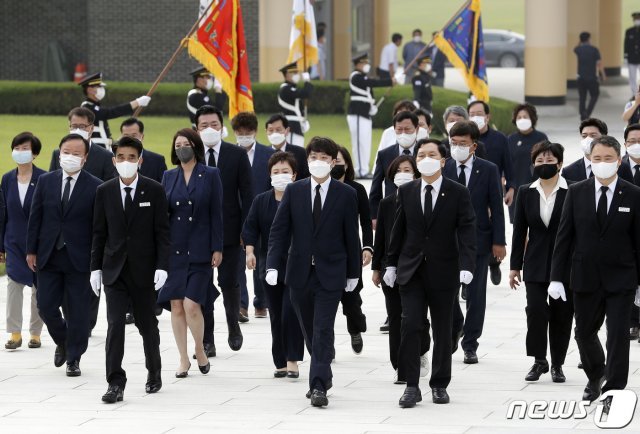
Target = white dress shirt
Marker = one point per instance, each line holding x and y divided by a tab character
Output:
22	191
251	152
389	55
324	188
387	139
283	148
467	169
587	166
133	186
612	188
216	153
632	164
434	193
74	178
410	149
547	203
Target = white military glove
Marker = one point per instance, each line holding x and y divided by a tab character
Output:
390	276
306	76
400	77
351	284
272	277
217	86
556	291
143	101
466	277
416	104
96	282
159	278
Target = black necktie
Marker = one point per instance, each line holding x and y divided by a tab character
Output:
636	175
590	172
462	178
64	202
406	152
602	206
317	207
128	202
428	203
212	158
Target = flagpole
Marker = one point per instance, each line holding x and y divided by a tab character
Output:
304	53
173	58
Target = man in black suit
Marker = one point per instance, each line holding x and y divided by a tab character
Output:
591	129
130	255
235	171
598	238
432	250
483	181
277	129
405	124
317	226
59	248
153	165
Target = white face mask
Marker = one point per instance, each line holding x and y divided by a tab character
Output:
83	133
423	133
225	133
127	169
634	150
636	22
210	136
417	39
427	67
604	170
406	140
460	153
70	163
276	138
428	166
100	93
479	120
319	168
402	178
209	84
366	68
523	124
281	180
22	157
449	126
585	144
295	78
246	141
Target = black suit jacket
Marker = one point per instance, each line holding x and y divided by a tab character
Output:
447	245
153	165
302	164
383	161
533	242
625	162
605	258
385	217
99	163
261	177
257	228
142	242
577	171
363	214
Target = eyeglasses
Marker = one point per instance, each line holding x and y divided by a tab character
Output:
466	145
79	126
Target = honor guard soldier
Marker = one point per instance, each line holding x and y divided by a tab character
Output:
203	82
421	81
94	91
289	97
362	106
632	52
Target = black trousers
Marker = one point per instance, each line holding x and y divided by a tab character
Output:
58	284
592	87
143	301
476	306
382	73
352	309
544	313
316	308
394	313
416	296
93	310
590	310
635	316
287	342
258	286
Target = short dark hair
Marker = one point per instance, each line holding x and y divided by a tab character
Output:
395	164
593	122
403	105
531	111
442	149
323	144
485	106
396	37
349	173
416	31
74	136
632	127
406	115
82	112
275	118
282	157
556	149
465	128
209	110
195	141
247	120
585	36
22	138
422	112
132	121
608	141
130	142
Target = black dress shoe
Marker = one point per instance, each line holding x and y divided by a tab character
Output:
209	350
593	390
496	274
580	365
205	369
279	374
235	339
73	369
308	395
384	328
456	341
60	356
293	374
557	376
129	319
158	310
319	398
539	367
243	316
633	333
113	395
470	357
410	397
154	382
439	395
356	343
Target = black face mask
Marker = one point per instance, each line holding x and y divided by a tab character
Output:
545	171
338	171
185	154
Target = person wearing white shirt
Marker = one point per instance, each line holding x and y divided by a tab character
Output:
389	57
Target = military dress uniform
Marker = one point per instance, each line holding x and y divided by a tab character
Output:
421	82
632	53
290	97
197	97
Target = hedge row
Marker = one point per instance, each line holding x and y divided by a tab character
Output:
331	97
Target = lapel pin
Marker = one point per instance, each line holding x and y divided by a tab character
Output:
142	192
442	194
200	175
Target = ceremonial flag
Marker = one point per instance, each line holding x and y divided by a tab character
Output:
303	42
461	42
220	46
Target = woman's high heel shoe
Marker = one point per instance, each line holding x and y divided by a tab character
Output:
183	374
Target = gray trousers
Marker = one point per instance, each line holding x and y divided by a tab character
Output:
14	309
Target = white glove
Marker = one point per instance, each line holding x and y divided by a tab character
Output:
143	101
637	300
465	277
217	86
351	284
556	291
400	77
434	74
390	276
306	76
416	104
159	278
96	282
272	277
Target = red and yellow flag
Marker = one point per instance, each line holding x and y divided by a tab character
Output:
220	46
